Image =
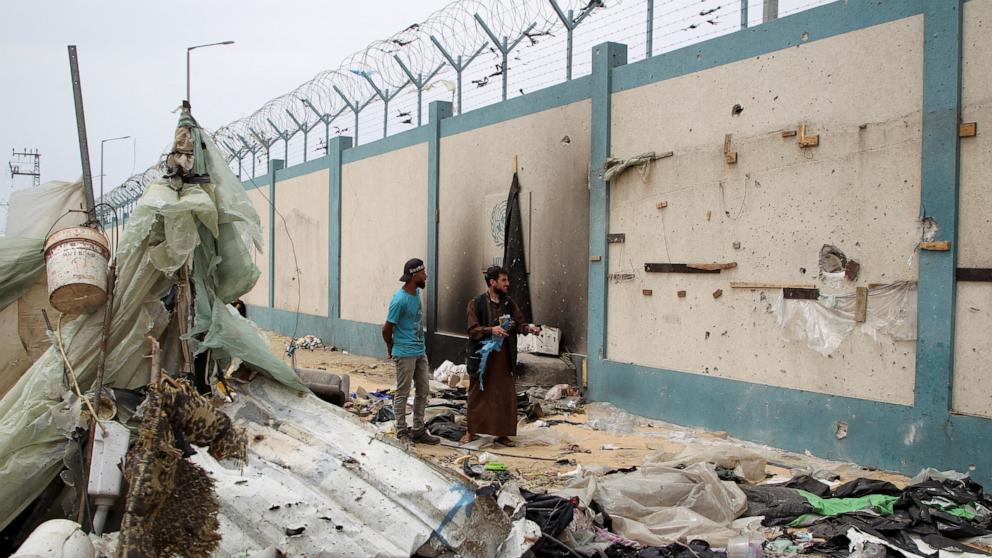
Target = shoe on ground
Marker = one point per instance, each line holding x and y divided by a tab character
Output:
422	436
402	433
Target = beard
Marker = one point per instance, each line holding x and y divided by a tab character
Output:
421	284
502	292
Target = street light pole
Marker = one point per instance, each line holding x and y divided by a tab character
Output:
101	161
190	49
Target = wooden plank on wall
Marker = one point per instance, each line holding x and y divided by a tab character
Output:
861	305
973	274
800	294
675	268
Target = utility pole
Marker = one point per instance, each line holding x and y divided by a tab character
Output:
26	163
84	148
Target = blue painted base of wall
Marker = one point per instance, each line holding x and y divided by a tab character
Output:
355	337
881	435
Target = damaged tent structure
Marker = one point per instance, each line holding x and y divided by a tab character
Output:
181	260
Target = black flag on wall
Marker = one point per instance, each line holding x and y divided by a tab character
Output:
513	251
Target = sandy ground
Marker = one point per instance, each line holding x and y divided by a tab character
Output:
537	464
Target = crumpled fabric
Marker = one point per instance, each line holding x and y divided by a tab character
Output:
491	344
659	505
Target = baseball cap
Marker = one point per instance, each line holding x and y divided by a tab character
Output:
411	268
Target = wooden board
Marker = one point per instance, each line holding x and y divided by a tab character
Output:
936	245
675	268
790	293
973	274
712	266
763	285
861	305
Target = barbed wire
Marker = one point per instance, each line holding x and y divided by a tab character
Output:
464	53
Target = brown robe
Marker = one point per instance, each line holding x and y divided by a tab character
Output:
493	411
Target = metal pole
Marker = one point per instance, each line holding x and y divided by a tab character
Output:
568	47
84	149
458	72
385	114
744	14
650	31
771	10
188	50
101	169
506	68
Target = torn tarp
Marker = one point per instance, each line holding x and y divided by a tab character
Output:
657	505
824	323
172	223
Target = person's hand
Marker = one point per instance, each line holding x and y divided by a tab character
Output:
500	332
535	330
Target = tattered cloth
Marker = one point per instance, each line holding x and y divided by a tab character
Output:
171	506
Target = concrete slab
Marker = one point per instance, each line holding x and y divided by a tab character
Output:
538	370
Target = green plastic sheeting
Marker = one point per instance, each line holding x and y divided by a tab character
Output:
878	503
21	260
173	222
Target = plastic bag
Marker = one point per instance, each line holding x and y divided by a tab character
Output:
657	505
607	418
824	323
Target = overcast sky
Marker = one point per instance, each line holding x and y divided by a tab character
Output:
133	65
132	58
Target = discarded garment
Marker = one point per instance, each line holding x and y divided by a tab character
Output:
491	345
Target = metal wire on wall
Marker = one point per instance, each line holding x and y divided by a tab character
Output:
472	53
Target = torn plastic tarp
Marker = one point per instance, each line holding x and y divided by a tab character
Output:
170	223
746	464
33	214
315	466
21	262
824	323
658	505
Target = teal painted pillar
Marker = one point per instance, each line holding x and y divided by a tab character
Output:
942	27
436	112
274	166
605	57
335	152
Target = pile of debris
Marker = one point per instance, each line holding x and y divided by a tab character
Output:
705	501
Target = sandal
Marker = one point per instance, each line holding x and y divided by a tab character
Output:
466	439
504	441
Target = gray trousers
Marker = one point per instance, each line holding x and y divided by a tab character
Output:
413	369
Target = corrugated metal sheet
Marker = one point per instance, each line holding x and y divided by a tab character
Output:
315	466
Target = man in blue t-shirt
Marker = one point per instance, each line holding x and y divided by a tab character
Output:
403	333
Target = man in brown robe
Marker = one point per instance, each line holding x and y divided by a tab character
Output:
493	410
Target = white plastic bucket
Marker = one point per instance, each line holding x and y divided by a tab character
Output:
76	259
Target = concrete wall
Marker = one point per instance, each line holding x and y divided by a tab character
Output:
859	190
383	224
972	385
884	98
552	148
302	212
259	296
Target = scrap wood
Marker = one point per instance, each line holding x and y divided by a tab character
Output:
763	285
712	266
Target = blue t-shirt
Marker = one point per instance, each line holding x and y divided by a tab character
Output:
407	319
